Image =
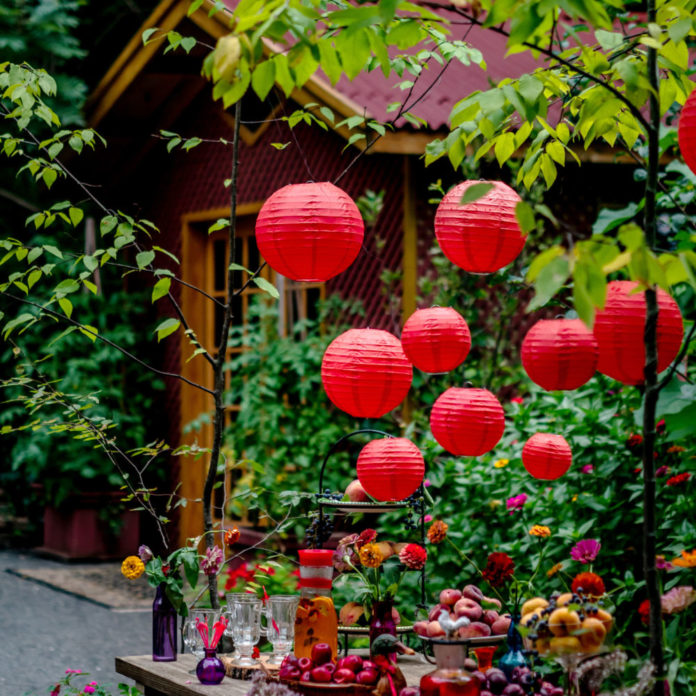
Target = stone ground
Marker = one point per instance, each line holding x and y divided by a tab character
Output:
46	631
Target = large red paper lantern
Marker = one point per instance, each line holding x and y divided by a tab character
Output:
365	372
686	131
467	422
309	232
546	457
620	326
483	236
559	353
436	339
391	468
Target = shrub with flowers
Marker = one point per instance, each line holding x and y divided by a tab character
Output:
72	685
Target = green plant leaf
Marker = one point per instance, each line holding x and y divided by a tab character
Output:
475	192
267	287
144	258
167	327
161	288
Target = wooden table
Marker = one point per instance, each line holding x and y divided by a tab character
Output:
179	678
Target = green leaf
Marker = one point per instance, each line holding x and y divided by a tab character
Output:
475	192
609	40
187	43
267	287
90	331
144	259
161	288
263	78
67	286
53	250
148	33
66	306
551	279
525	216
91	264
76	215
108	223
167	327
193	7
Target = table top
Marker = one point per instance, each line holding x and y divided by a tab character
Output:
179	678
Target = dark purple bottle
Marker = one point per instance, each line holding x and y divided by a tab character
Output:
382	621
210	669
164	635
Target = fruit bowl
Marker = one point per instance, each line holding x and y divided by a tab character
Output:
331	689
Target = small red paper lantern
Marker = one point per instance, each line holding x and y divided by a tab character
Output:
391	468
436	339
559	353
483	236
309	232
467	422
686	131
546	457
365	372
620	326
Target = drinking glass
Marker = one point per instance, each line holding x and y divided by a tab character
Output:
280	629
245	617
232	597
192	638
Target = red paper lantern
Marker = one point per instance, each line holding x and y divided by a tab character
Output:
365	372
391	468
309	232
483	236
546	457
619	329
559	353
686	131
467	421
436	339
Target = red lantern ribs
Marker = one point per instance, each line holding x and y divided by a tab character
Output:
546	457
391	468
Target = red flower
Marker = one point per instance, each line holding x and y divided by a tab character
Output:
367	536
634	441
678	479
637	470
413	556
660	426
588	584
165	570
256	653
232	536
499	567
517	400
644	611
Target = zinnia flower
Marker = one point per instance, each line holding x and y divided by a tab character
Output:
56	690
554	569
348	540
437	532
644	611
660	426
662	564
517	400
232	536
634	441
585	551
499	567
678	479
500	463
675	449
73	671
687	560
589	584
212	560
538	530
132	567
145	554
662	471
516	502
367	536
678	599
344	559
413	556
370	556
89	689
587	469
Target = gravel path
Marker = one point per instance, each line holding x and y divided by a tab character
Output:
46	632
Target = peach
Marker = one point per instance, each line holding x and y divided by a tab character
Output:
591	634
475	629
421	628
536	604
605	617
563	622
564	599
473	592
490	616
450	596
434	629
491	603
355	492
564	644
469	608
435	612
501	625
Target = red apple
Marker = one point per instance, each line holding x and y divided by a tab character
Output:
321	653
367	676
356	492
344	676
368	664
321	674
306	676
352	662
288	672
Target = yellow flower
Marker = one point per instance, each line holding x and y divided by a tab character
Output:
674	449
132	567
688	559
574	498
538	530
371	556
554	569
500	463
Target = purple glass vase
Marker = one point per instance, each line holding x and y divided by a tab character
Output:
164	635
382	621
210	670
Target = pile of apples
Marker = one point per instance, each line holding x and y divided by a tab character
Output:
321	669
565	623
482	611
523	682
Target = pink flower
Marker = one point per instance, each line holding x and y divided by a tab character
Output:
587	469
212	560
73	671
678	599
56	690
427	483
516	502
662	471
662	564
585	551
517	400
145	553
428	518
89	689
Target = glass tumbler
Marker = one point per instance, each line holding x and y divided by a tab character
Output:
280	625
231	598
245	616
192	638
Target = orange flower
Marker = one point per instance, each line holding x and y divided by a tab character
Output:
538	530
554	569
588	584
232	536
688	559
437	532
371	556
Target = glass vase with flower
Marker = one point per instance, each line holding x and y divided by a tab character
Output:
379	567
